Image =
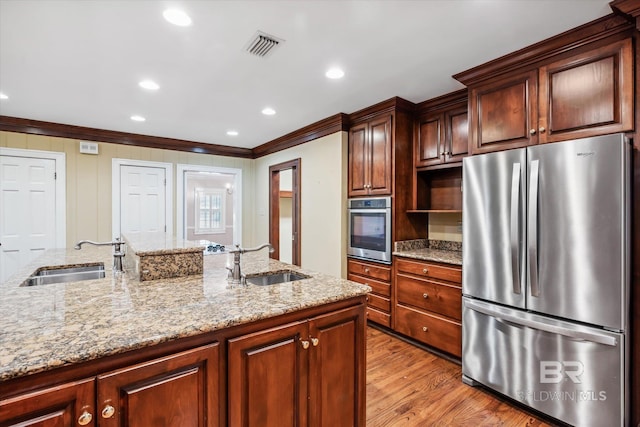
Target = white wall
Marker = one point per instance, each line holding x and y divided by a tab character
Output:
323	201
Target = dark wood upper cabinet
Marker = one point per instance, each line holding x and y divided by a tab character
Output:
585	94
503	113
430	139
370	166
442	130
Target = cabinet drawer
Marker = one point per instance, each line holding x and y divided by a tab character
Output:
430	329
380	288
451	274
378	317
379	302
429	295
376	271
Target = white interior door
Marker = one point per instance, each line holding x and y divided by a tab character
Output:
27	210
142	199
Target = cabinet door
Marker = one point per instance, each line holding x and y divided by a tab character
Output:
267	378
380	156
337	369
430	146
65	405
587	95
504	113
177	390
358	160
457	137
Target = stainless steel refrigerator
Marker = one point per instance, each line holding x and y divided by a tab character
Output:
546	277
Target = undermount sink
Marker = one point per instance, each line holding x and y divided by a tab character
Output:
278	277
62	274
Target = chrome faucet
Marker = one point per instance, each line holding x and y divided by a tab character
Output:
118	253
235	275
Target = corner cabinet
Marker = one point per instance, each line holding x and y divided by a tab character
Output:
303	373
370	157
586	94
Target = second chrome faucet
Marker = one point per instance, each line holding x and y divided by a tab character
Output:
235	275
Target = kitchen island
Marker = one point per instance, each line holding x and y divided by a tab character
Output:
194	349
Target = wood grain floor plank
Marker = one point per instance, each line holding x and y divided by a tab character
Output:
408	386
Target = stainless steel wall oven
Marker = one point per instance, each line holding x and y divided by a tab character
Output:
369	231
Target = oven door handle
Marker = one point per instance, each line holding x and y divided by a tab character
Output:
370	211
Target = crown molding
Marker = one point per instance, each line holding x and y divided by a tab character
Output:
37	127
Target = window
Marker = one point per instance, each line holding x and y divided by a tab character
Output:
210	209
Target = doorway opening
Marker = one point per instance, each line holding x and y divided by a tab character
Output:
209	204
284	211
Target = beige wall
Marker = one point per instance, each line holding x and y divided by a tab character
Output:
323	203
445	226
89	180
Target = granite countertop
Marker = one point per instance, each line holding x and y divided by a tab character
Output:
143	244
430	250
48	326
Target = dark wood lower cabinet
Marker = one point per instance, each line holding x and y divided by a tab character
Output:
177	390
303	373
300	369
266	374
64	405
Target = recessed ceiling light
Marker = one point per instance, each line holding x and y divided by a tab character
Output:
138	118
334	73
3	96
177	17
149	84
232	132
268	111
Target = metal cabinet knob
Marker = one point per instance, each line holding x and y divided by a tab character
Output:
425	270
108	411
85	418
366	270
532	131
315	342
542	129
305	344
425	295
425	329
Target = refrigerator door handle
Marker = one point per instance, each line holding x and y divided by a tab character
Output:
554	329
533	228
515	227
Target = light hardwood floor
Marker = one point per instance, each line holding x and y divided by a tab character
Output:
408	386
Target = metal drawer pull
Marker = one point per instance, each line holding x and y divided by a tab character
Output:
425	329
108	411
425	295
85	418
366	270
425	270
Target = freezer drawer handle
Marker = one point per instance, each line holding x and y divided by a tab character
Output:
554	329
533	229
515	227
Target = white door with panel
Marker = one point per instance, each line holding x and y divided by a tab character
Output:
27	210
142	199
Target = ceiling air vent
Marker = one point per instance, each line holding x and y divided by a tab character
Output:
261	44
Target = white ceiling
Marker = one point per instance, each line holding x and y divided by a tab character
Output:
79	62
